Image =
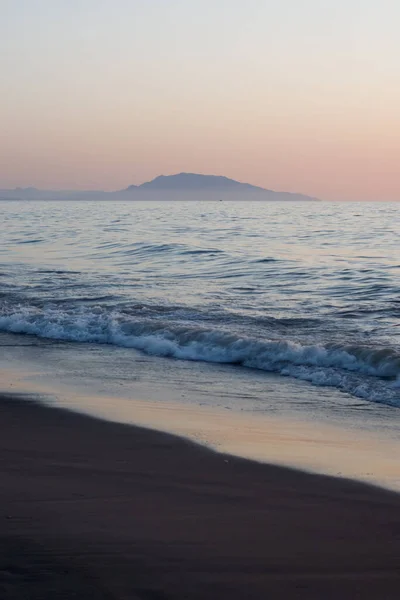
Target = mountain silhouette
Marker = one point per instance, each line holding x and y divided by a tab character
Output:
182	186
194	181
196	186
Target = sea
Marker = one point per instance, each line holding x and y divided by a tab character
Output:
251	306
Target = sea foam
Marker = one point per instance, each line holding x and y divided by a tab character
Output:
372	373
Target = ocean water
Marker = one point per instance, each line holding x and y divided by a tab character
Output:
238	296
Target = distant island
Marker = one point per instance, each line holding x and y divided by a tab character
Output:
182	186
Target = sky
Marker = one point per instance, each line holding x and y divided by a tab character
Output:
292	95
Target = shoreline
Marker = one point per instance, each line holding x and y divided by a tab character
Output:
109	510
312	446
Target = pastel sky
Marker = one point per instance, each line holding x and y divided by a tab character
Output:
294	95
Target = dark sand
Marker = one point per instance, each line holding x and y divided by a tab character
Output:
94	510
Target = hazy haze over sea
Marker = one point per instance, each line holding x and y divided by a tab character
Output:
300	296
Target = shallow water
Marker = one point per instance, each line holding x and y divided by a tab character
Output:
309	291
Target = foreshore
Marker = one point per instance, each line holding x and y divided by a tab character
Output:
93	510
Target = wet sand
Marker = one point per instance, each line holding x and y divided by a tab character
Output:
93	510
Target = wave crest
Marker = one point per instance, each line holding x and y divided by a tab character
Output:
329	365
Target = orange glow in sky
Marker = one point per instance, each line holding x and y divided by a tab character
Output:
294	96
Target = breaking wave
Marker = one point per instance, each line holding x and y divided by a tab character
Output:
370	372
